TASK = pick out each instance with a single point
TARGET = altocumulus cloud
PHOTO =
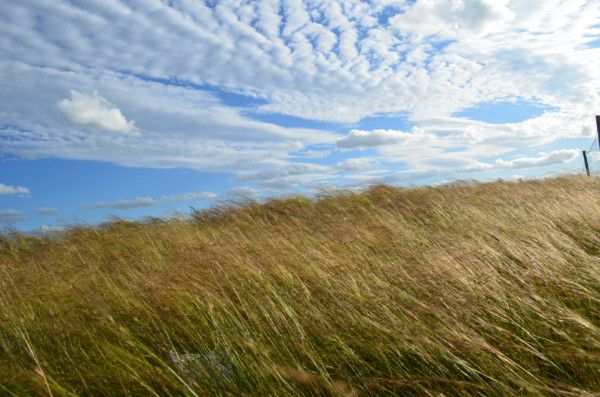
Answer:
(334, 61)
(95, 111)
(9, 189)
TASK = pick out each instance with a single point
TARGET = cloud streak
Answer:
(126, 204)
(13, 190)
(358, 139)
(545, 159)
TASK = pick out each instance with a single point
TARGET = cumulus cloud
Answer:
(10, 216)
(95, 111)
(10, 190)
(125, 204)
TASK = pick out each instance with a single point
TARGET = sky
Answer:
(114, 108)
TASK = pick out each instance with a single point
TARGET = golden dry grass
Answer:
(483, 289)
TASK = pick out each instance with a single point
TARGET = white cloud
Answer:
(317, 67)
(544, 159)
(124, 204)
(315, 154)
(177, 198)
(453, 18)
(288, 176)
(359, 139)
(182, 127)
(318, 60)
(243, 192)
(326, 190)
(355, 164)
(9, 190)
(95, 111)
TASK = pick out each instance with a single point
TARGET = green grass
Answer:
(483, 289)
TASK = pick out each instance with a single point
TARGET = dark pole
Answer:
(587, 167)
(598, 129)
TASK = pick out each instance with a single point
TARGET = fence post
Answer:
(585, 161)
(598, 129)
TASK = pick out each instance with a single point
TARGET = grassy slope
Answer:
(489, 289)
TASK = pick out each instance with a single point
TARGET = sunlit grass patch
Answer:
(472, 289)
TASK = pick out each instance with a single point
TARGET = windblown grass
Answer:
(484, 289)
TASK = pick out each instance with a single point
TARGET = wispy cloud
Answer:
(541, 160)
(178, 198)
(288, 176)
(315, 154)
(544, 159)
(358, 139)
(243, 192)
(355, 164)
(13, 190)
(124, 204)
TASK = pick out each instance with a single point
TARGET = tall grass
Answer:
(483, 289)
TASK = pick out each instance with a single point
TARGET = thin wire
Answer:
(592, 146)
(593, 143)
(593, 165)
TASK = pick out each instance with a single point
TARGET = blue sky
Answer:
(146, 107)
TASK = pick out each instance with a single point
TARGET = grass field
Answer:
(483, 289)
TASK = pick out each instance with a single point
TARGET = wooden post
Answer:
(598, 129)
(585, 161)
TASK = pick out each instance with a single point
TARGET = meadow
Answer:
(468, 289)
